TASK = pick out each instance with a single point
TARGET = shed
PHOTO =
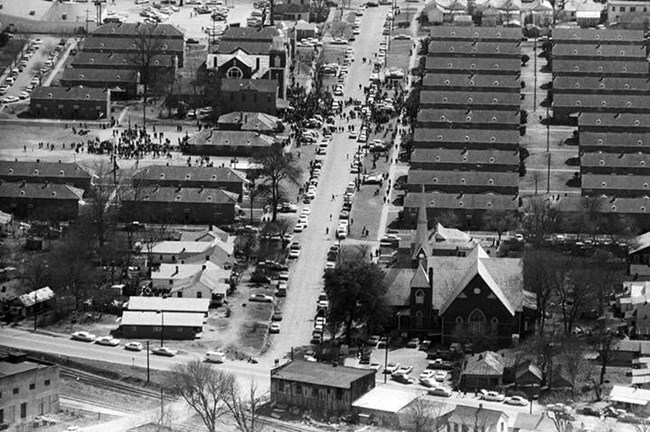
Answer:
(631, 399)
(153, 325)
(483, 371)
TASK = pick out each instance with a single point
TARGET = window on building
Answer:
(47, 383)
(32, 386)
(419, 319)
(476, 321)
(494, 326)
(232, 97)
(234, 73)
(622, 8)
(171, 281)
(314, 392)
(2, 416)
(459, 323)
(179, 294)
(199, 294)
(23, 410)
(281, 386)
(613, 8)
(15, 390)
(299, 388)
(632, 8)
(339, 394)
(419, 297)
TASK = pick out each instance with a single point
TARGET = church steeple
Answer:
(421, 241)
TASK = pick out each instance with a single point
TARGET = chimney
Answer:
(431, 277)
(203, 267)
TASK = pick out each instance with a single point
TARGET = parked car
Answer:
(375, 366)
(591, 411)
(134, 346)
(402, 378)
(215, 356)
(440, 375)
(372, 340)
(275, 328)
(261, 298)
(277, 316)
(440, 391)
(517, 400)
(164, 351)
(107, 340)
(427, 374)
(391, 367)
(413, 343)
(492, 396)
(404, 369)
(83, 336)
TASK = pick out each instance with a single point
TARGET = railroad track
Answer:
(280, 425)
(109, 384)
(99, 404)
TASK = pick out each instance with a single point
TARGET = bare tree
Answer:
(205, 390)
(148, 57)
(560, 417)
(536, 176)
(603, 339)
(499, 221)
(572, 358)
(245, 409)
(102, 193)
(540, 218)
(277, 167)
(426, 415)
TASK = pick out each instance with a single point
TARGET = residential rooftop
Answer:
(622, 68)
(462, 178)
(180, 174)
(446, 135)
(323, 374)
(475, 33)
(456, 201)
(480, 65)
(440, 98)
(498, 83)
(183, 195)
(458, 117)
(155, 319)
(631, 84)
(70, 93)
(597, 35)
(465, 48)
(470, 157)
(41, 169)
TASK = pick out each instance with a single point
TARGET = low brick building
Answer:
(123, 84)
(180, 205)
(249, 95)
(29, 389)
(43, 201)
(73, 103)
(321, 387)
(40, 172)
(213, 142)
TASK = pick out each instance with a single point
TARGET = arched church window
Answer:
(234, 73)
(419, 297)
(494, 326)
(476, 321)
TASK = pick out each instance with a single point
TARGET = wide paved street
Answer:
(306, 275)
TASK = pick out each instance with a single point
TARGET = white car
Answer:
(10, 99)
(329, 265)
(299, 227)
(391, 367)
(294, 253)
(215, 356)
(134, 346)
(83, 336)
(107, 340)
(164, 351)
(440, 391)
(427, 374)
(440, 376)
(23, 95)
(275, 328)
(516, 400)
(260, 298)
(492, 396)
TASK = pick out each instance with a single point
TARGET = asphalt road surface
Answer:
(305, 282)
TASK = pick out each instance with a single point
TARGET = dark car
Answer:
(591, 411)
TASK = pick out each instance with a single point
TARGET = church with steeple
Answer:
(445, 287)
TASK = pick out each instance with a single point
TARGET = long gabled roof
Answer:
(481, 65)
(602, 52)
(614, 102)
(454, 201)
(485, 363)
(469, 157)
(109, 43)
(70, 93)
(100, 75)
(468, 98)
(597, 35)
(463, 178)
(601, 83)
(616, 182)
(51, 191)
(455, 48)
(614, 119)
(476, 33)
(260, 85)
(599, 66)
(184, 173)
(459, 117)
(460, 136)
(470, 81)
(639, 139)
(623, 160)
(321, 374)
(85, 59)
(41, 169)
(185, 195)
(230, 138)
(133, 29)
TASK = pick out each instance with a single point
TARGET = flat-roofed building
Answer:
(465, 160)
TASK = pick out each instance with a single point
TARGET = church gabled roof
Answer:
(477, 267)
(421, 243)
(420, 278)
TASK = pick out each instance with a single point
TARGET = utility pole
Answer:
(34, 311)
(548, 175)
(385, 360)
(535, 74)
(147, 362)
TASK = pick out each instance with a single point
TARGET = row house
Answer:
(601, 85)
(469, 65)
(465, 160)
(466, 139)
(615, 164)
(468, 119)
(40, 201)
(618, 185)
(45, 172)
(442, 49)
(122, 83)
(611, 36)
(134, 45)
(70, 103)
(472, 100)
(601, 52)
(617, 143)
(598, 68)
(567, 107)
(468, 182)
(472, 83)
(614, 122)
(471, 34)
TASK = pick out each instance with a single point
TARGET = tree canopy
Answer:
(277, 168)
(357, 290)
